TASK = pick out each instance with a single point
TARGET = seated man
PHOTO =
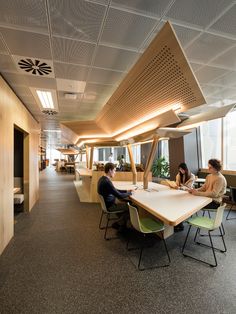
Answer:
(110, 193)
(215, 185)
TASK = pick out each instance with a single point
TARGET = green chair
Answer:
(109, 216)
(146, 226)
(208, 224)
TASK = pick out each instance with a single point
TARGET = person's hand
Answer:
(190, 191)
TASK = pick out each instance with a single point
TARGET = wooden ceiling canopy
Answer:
(68, 151)
(160, 81)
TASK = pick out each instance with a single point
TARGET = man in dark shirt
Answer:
(109, 192)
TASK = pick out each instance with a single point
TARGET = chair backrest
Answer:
(233, 194)
(219, 216)
(134, 218)
(102, 202)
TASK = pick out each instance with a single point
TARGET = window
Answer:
(213, 139)
(229, 141)
(164, 149)
(210, 141)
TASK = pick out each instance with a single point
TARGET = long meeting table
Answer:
(169, 205)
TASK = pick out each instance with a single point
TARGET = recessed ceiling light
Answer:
(45, 98)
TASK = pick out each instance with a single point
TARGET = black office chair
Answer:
(233, 201)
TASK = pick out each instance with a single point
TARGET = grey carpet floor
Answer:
(58, 262)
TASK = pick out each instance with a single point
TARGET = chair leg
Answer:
(186, 239)
(107, 226)
(213, 250)
(216, 249)
(196, 259)
(166, 249)
(100, 223)
(141, 254)
(227, 217)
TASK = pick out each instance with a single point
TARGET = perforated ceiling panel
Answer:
(126, 29)
(24, 13)
(226, 60)
(76, 19)
(70, 72)
(6, 63)
(208, 74)
(72, 51)
(200, 13)
(208, 46)
(227, 80)
(101, 76)
(152, 7)
(3, 48)
(160, 79)
(27, 43)
(116, 59)
(227, 23)
(185, 35)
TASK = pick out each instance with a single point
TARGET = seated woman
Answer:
(184, 179)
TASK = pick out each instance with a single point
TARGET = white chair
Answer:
(108, 215)
(146, 225)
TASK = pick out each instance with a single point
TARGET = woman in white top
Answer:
(184, 179)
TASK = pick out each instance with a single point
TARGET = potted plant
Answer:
(161, 168)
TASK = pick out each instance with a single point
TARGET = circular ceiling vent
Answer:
(35, 66)
(49, 112)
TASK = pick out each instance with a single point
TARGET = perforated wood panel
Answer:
(159, 80)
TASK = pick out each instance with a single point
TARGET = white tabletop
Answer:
(169, 205)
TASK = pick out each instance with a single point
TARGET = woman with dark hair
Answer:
(184, 179)
(215, 185)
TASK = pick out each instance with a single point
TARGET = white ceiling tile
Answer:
(227, 60)
(70, 86)
(27, 43)
(226, 93)
(72, 51)
(227, 80)
(30, 14)
(151, 7)
(200, 12)
(211, 90)
(70, 72)
(101, 76)
(41, 82)
(14, 78)
(126, 29)
(195, 66)
(3, 48)
(207, 46)
(7, 64)
(184, 34)
(227, 23)
(76, 19)
(114, 58)
(208, 74)
(21, 90)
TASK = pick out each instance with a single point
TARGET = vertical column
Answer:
(150, 161)
(133, 167)
(87, 156)
(91, 158)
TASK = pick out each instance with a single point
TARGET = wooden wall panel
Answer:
(12, 112)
